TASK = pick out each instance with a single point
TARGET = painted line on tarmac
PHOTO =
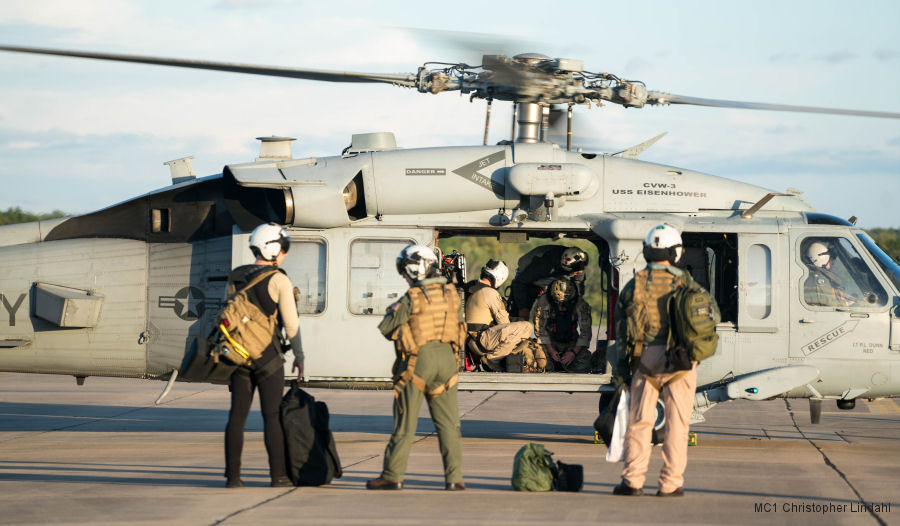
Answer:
(883, 406)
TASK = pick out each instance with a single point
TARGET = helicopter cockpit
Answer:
(837, 275)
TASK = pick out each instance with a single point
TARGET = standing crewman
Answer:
(427, 330)
(642, 324)
(274, 295)
(539, 268)
(562, 322)
(486, 318)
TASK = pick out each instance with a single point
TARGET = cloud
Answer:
(836, 57)
(886, 54)
(81, 17)
(784, 57)
(246, 4)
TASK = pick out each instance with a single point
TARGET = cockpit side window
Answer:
(837, 276)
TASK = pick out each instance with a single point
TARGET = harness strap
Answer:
(439, 390)
(653, 379)
(419, 384)
(261, 275)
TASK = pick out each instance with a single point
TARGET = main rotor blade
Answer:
(657, 97)
(401, 79)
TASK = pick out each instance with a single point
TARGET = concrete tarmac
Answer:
(104, 454)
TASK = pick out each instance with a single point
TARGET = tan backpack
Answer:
(244, 330)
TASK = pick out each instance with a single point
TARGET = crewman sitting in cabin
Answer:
(562, 322)
(823, 287)
(487, 320)
(538, 268)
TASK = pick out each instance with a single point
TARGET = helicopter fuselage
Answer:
(129, 290)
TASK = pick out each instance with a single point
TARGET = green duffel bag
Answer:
(533, 469)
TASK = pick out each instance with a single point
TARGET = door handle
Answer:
(806, 320)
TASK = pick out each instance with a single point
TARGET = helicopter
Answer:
(129, 290)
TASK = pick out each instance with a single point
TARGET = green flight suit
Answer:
(436, 364)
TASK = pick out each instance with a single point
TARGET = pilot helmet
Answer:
(268, 240)
(496, 271)
(663, 243)
(817, 254)
(417, 262)
(561, 291)
(573, 259)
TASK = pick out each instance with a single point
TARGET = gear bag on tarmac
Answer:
(535, 470)
(312, 458)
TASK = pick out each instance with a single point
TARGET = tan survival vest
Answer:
(434, 316)
(647, 317)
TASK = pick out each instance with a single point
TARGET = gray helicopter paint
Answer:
(23, 233)
(481, 184)
(187, 283)
(180, 295)
(112, 347)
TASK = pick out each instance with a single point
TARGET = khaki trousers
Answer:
(500, 340)
(678, 396)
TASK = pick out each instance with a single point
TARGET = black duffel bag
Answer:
(310, 452)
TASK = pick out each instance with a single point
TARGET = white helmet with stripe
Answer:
(417, 262)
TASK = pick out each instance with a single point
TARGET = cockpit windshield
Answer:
(888, 265)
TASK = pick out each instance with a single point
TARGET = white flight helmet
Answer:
(496, 271)
(268, 239)
(663, 243)
(573, 259)
(417, 262)
(817, 254)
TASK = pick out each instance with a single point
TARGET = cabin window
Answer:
(307, 268)
(759, 282)
(837, 276)
(374, 282)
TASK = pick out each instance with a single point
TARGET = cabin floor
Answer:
(103, 453)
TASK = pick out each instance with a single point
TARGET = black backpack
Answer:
(312, 458)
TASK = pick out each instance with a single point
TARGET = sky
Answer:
(78, 135)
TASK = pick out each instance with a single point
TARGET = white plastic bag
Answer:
(616, 450)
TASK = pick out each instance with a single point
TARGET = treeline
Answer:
(14, 214)
(479, 250)
(888, 239)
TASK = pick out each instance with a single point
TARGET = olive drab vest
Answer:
(648, 319)
(434, 316)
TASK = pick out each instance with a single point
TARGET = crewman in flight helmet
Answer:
(487, 320)
(427, 329)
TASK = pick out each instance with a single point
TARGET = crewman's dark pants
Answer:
(271, 389)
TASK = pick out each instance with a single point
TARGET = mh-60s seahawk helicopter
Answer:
(128, 290)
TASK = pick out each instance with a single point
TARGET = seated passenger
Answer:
(487, 320)
(562, 321)
(823, 287)
(540, 267)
